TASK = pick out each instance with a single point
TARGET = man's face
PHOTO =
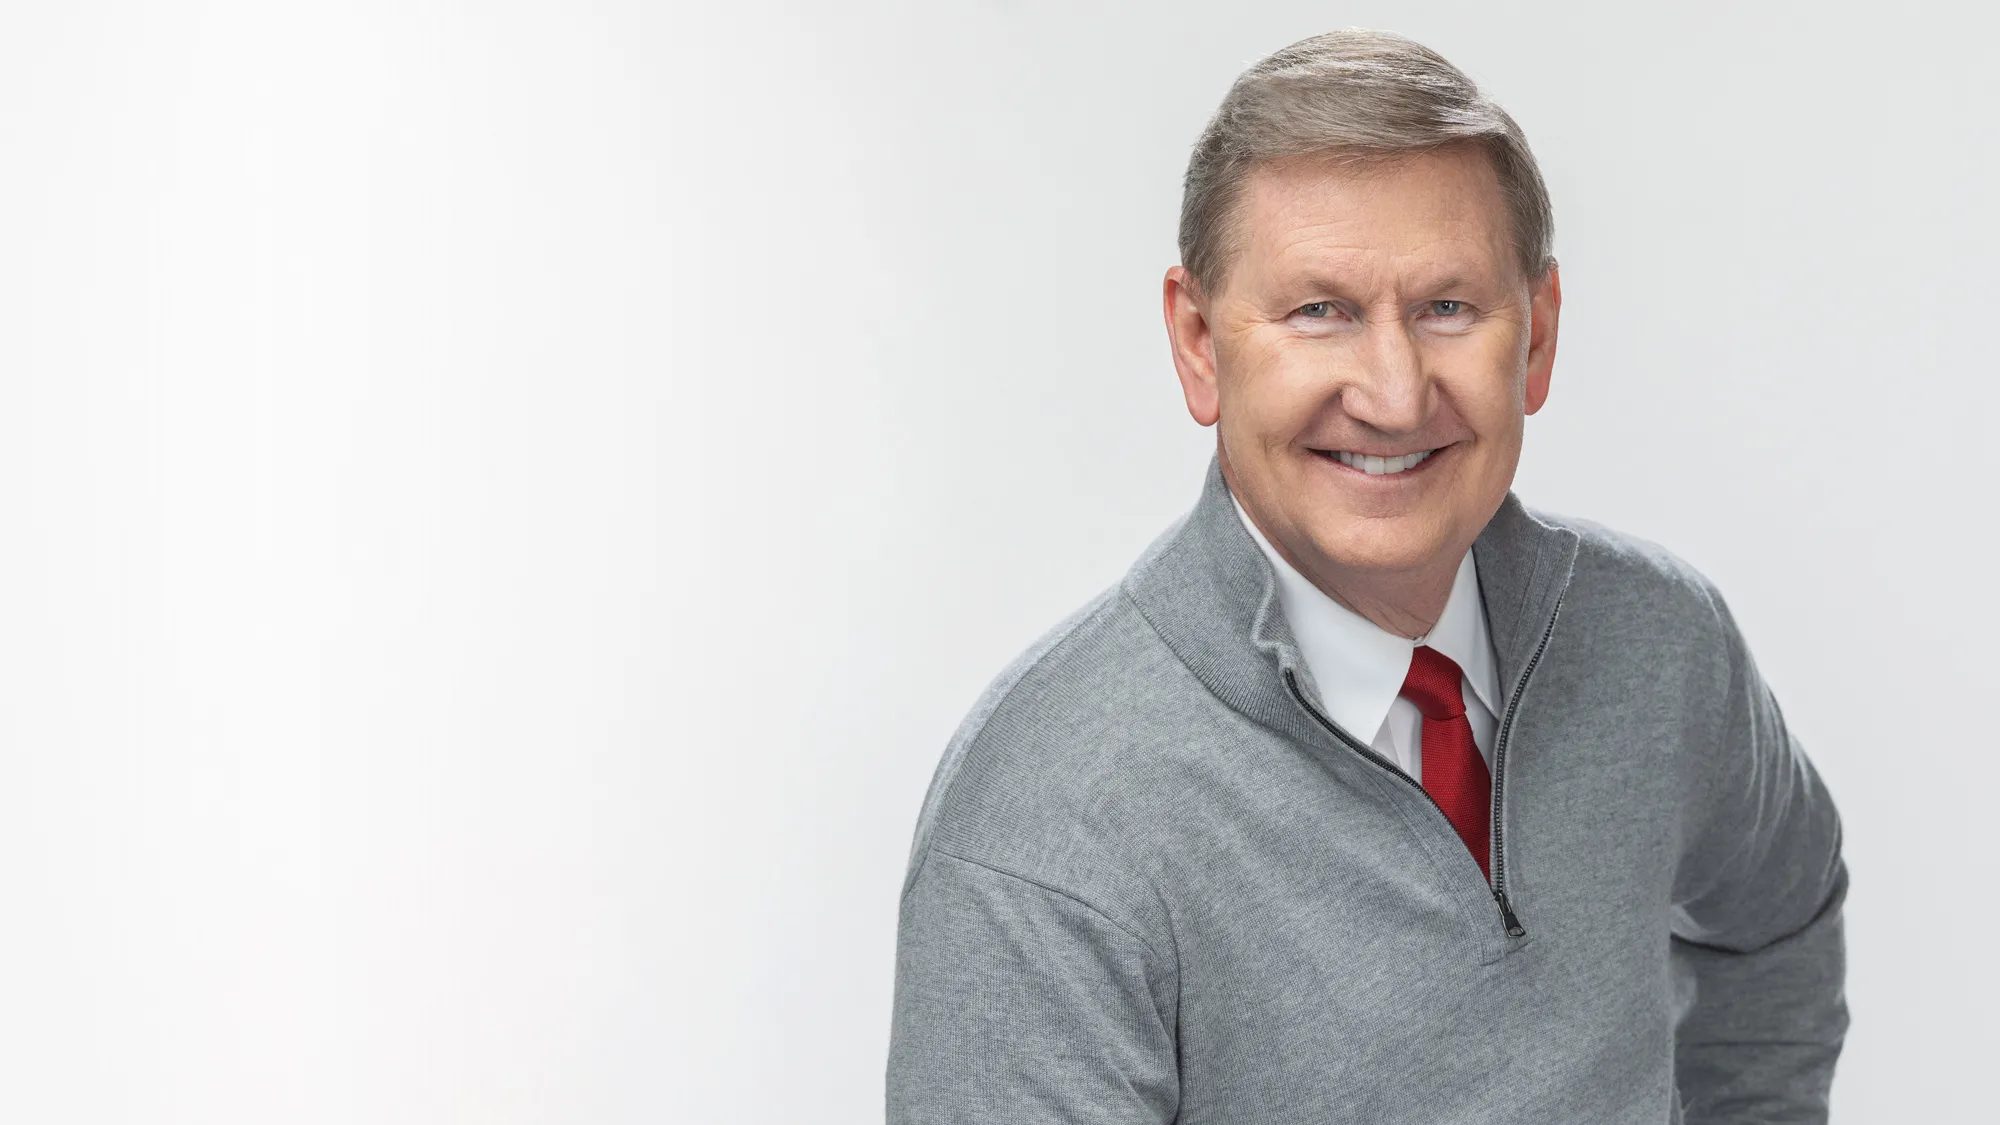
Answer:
(1371, 316)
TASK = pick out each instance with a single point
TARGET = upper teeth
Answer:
(1376, 466)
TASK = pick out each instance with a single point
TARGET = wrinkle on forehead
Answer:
(1419, 218)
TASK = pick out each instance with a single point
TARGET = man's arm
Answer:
(1758, 956)
(1017, 1003)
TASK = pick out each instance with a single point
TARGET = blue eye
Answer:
(1316, 309)
(1447, 308)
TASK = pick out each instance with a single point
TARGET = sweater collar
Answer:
(1211, 594)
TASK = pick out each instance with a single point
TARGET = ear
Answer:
(1545, 310)
(1193, 344)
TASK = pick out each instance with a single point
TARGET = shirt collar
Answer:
(1357, 665)
(1461, 633)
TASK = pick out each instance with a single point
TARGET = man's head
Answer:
(1366, 275)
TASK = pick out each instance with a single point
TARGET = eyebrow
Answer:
(1323, 283)
(1454, 281)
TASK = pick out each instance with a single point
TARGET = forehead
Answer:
(1442, 210)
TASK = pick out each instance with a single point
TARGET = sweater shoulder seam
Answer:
(996, 696)
(1061, 892)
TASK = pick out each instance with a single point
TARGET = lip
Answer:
(1326, 457)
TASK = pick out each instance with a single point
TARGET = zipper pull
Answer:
(1507, 918)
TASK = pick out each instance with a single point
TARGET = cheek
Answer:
(1488, 387)
(1268, 389)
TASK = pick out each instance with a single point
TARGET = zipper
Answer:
(1508, 918)
(1514, 927)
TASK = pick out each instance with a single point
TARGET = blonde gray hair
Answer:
(1352, 95)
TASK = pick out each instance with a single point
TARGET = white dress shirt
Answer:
(1359, 666)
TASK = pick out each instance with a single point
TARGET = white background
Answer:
(503, 504)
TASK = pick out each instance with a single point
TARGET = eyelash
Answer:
(1328, 304)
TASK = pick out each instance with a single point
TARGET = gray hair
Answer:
(1353, 95)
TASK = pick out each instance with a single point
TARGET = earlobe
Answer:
(1192, 344)
(1546, 314)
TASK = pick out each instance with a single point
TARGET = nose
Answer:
(1389, 389)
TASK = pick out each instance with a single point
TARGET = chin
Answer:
(1398, 544)
(1380, 557)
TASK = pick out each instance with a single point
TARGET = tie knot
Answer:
(1433, 684)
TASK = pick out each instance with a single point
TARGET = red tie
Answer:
(1454, 774)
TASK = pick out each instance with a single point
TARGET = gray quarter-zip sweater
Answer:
(1151, 882)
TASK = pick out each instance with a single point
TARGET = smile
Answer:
(1381, 466)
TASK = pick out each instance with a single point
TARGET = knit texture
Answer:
(1148, 884)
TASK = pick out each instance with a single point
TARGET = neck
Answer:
(1406, 604)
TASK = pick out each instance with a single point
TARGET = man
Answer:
(1370, 794)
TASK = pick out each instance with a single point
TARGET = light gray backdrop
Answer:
(503, 504)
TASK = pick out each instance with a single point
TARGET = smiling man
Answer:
(1371, 794)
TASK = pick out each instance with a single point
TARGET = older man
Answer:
(1370, 794)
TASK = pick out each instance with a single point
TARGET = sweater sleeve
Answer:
(1018, 1003)
(1758, 956)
